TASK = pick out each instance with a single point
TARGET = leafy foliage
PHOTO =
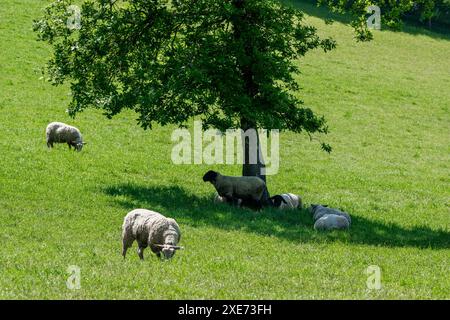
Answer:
(228, 61)
(429, 10)
(393, 12)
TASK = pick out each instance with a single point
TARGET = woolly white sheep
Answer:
(150, 228)
(58, 132)
(251, 190)
(286, 201)
(328, 218)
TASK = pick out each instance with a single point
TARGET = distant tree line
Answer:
(430, 12)
(394, 12)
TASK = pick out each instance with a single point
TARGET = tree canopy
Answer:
(171, 60)
(393, 12)
(230, 62)
(431, 10)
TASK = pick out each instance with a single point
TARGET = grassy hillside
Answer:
(387, 103)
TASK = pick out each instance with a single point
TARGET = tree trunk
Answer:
(251, 169)
(251, 89)
(254, 169)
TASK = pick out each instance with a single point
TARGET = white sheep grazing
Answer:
(58, 132)
(150, 228)
(328, 218)
(286, 201)
(331, 221)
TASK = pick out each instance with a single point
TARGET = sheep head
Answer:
(168, 250)
(314, 207)
(78, 145)
(277, 200)
(210, 176)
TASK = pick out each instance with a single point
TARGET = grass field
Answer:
(387, 104)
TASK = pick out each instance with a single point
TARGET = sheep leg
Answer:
(70, 146)
(156, 250)
(126, 243)
(125, 246)
(232, 200)
(265, 199)
(252, 204)
(141, 253)
(49, 145)
(229, 199)
(236, 202)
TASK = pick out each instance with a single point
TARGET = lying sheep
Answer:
(58, 132)
(319, 211)
(331, 221)
(152, 229)
(328, 218)
(220, 199)
(286, 201)
(251, 190)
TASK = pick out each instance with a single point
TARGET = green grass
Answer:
(387, 103)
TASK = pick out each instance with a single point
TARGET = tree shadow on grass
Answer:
(296, 225)
(310, 8)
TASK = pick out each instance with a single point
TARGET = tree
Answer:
(393, 12)
(230, 62)
(429, 10)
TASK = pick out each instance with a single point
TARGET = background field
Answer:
(387, 104)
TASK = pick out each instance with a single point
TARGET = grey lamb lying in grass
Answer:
(328, 218)
(58, 132)
(150, 228)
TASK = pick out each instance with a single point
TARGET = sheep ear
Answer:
(84, 142)
(178, 248)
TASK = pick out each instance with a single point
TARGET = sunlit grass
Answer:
(387, 104)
